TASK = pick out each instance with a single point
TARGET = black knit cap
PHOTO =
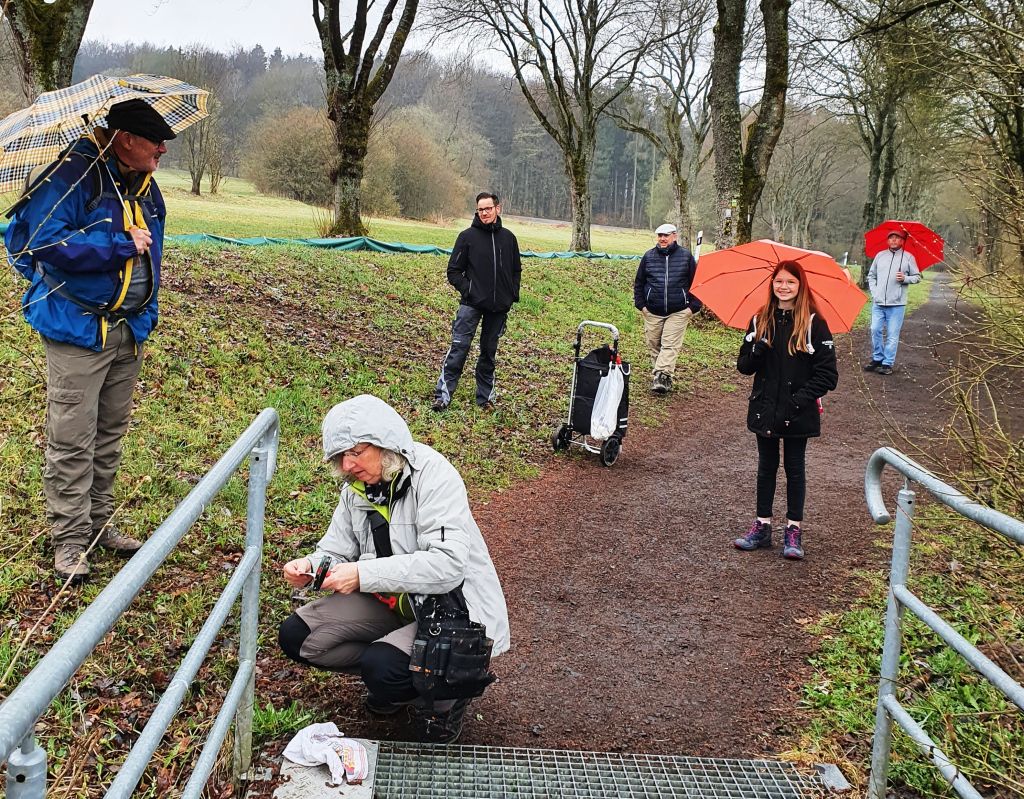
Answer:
(140, 118)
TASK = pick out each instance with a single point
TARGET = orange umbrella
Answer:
(734, 283)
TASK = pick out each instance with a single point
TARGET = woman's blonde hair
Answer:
(391, 464)
(802, 309)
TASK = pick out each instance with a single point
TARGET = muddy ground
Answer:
(636, 625)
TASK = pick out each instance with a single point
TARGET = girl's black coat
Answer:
(782, 403)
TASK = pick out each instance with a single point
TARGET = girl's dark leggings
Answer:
(793, 459)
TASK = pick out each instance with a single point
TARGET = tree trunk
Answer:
(765, 131)
(577, 168)
(351, 134)
(46, 36)
(888, 175)
(724, 98)
(681, 201)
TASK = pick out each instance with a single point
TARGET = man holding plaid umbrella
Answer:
(88, 233)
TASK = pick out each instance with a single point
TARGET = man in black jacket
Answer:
(661, 292)
(485, 269)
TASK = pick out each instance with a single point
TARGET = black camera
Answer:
(321, 572)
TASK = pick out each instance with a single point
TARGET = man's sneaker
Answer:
(884, 370)
(667, 380)
(379, 707)
(872, 366)
(434, 727)
(119, 543)
(758, 536)
(440, 406)
(69, 562)
(659, 386)
(792, 543)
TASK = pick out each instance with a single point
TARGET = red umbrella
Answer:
(922, 242)
(734, 283)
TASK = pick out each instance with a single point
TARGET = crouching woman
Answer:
(402, 529)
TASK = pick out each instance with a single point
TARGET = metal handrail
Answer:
(889, 708)
(26, 762)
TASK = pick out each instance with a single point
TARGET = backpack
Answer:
(18, 235)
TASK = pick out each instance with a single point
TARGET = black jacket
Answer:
(786, 387)
(662, 283)
(485, 268)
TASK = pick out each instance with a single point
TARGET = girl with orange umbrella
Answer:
(789, 351)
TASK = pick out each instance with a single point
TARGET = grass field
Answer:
(239, 211)
(298, 329)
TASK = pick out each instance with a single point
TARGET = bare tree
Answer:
(355, 82)
(572, 60)
(986, 41)
(875, 79)
(202, 142)
(672, 75)
(741, 167)
(46, 38)
(809, 163)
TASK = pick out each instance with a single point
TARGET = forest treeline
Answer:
(806, 122)
(449, 127)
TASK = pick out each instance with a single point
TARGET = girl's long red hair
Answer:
(802, 310)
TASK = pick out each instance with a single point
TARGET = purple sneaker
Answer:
(792, 543)
(758, 536)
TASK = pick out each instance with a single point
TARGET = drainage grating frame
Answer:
(419, 771)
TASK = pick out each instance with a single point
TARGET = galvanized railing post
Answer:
(26, 771)
(890, 669)
(260, 469)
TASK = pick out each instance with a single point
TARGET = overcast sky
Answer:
(219, 24)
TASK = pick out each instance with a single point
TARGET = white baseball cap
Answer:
(666, 228)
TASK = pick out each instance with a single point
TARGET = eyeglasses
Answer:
(355, 452)
(486, 210)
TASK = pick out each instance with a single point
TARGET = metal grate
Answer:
(412, 771)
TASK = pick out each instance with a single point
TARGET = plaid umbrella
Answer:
(36, 135)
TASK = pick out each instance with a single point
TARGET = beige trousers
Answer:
(89, 404)
(664, 336)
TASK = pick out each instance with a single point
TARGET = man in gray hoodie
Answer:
(891, 272)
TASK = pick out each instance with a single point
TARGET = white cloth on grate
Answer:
(323, 743)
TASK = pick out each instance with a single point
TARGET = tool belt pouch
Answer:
(451, 653)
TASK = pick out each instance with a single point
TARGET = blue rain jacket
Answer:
(84, 245)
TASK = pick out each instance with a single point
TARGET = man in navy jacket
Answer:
(661, 292)
(485, 269)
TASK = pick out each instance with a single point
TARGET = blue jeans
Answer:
(889, 317)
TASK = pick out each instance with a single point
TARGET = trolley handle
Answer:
(604, 325)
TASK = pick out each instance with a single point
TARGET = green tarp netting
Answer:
(363, 243)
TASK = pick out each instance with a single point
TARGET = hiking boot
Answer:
(378, 707)
(667, 380)
(439, 406)
(758, 536)
(487, 407)
(884, 370)
(872, 366)
(119, 543)
(792, 543)
(69, 561)
(439, 727)
(659, 386)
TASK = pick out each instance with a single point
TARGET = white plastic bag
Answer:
(323, 743)
(605, 418)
